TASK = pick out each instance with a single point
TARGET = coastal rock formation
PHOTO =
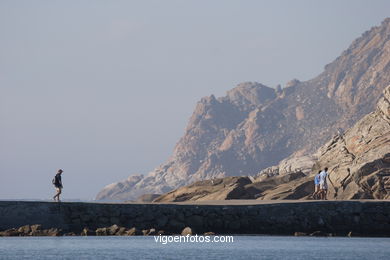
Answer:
(114, 230)
(359, 159)
(242, 188)
(31, 230)
(214, 189)
(254, 126)
(291, 164)
(358, 162)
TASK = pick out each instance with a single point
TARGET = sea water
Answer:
(242, 247)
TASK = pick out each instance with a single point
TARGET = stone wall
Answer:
(364, 218)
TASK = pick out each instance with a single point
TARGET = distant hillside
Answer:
(255, 126)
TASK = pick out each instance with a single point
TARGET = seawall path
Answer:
(362, 218)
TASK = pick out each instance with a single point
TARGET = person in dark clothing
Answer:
(58, 185)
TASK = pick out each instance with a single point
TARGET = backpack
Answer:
(54, 181)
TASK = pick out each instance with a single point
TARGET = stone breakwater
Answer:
(339, 218)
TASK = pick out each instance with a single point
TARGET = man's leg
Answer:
(54, 197)
(315, 194)
(58, 194)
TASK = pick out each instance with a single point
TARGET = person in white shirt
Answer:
(324, 184)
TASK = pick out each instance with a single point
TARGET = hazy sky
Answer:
(104, 89)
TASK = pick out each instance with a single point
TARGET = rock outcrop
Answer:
(214, 189)
(254, 126)
(289, 165)
(359, 159)
(358, 162)
(230, 188)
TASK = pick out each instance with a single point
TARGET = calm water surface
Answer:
(243, 247)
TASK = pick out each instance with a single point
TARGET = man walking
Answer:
(58, 185)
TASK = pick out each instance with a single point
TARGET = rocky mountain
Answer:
(358, 162)
(254, 126)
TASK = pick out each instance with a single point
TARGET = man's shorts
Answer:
(323, 186)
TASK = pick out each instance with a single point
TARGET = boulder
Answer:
(134, 232)
(149, 232)
(121, 231)
(25, 230)
(13, 232)
(152, 232)
(112, 230)
(35, 227)
(186, 231)
(87, 232)
(36, 230)
(102, 232)
(53, 232)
